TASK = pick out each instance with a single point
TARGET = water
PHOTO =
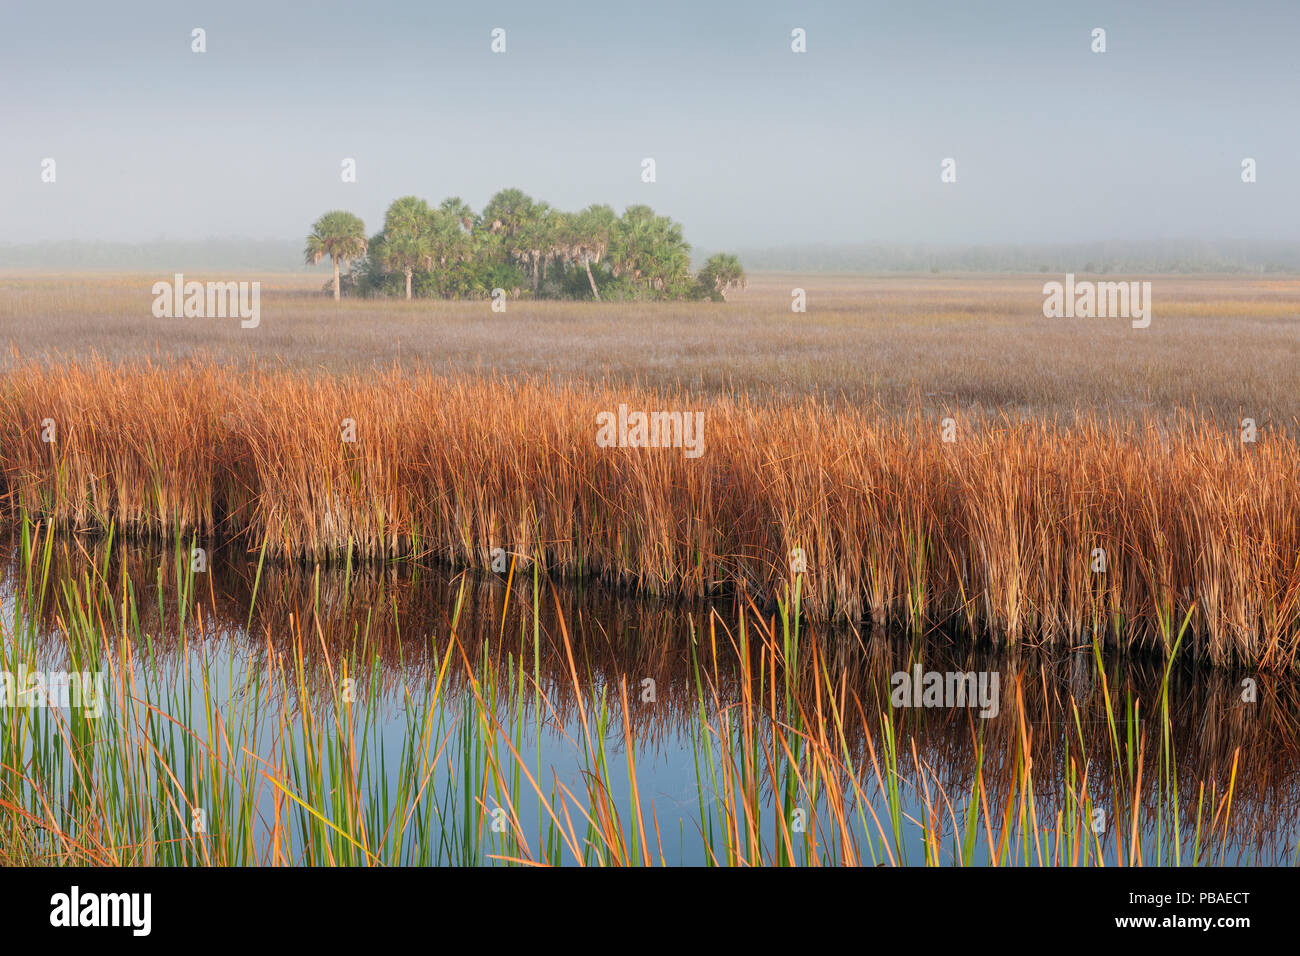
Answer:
(398, 621)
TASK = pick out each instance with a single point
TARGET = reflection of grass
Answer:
(996, 531)
(806, 758)
(280, 782)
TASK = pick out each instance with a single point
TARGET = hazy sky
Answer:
(754, 145)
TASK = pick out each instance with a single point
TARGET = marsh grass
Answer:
(994, 533)
(1225, 345)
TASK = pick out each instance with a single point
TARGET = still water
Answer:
(399, 622)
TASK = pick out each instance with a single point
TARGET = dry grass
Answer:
(994, 532)
(1228, 346)
(822, 433)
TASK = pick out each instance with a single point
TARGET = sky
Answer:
(754, 145)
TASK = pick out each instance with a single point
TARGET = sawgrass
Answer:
(997, 532)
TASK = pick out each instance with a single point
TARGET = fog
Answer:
(754, 145)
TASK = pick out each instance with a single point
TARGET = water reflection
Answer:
(403, 618)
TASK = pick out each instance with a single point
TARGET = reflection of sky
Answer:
(755, 145)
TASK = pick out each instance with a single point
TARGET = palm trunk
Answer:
(408, 285)
(336, 278)
(586, 261)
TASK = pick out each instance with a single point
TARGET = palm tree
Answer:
(631, 240)
(511, 218)
(507, 211)
(339, 235)
(556, 237)
(461, 210)
(673, 262)
(536, 240)
(591, 232)
(408, 228)
(448, 242)
(721, 274)
(649, 248)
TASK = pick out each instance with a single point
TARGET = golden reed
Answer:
(998, 531)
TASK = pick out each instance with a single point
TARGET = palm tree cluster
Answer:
(521, 245)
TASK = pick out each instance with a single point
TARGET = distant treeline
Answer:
(1120, 256)
(516, 246)
(1111, 256)
(160, 255)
